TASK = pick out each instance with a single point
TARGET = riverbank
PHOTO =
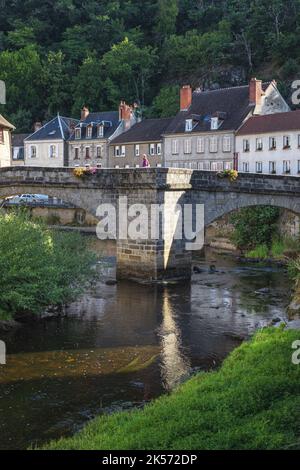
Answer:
(252, 402)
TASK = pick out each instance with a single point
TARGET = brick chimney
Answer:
(125, 114)
(37, 126)
(84, 113)
(186, 95)
(255, 91)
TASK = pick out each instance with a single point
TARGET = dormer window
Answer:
(214, 123)
(89, 131)
(101, 131)
(188, 125)
(78, 133)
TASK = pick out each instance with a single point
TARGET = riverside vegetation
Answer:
(39, 267)
(252, 402)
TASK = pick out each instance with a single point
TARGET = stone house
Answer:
(270, 144)
(89, 143)
(5, 142)
(127, 150)
(202, 135)
(47, 146)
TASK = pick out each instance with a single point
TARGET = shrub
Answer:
(39, 267)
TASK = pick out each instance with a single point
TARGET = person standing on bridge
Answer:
(146, 163)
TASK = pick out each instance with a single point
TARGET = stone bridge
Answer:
(163, 257)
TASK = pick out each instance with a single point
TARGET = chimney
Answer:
(255, 91)
(125, 114)
(37, 126)
(84, 113)
(186, 94)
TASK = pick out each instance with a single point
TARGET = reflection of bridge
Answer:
(164, 258)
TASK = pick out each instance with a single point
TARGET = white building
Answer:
(270, 144)
(5, 142)
(202, 135)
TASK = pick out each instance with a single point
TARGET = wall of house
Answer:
(195, 160)
(43, 158)
(130, 159)
(81, 146)
(5, 149)
(266, 155)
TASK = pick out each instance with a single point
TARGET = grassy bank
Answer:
(252, 402)
(39, 267)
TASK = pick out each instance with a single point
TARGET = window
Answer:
(87, 153)
(213, 144)
(187, 146)
(259, 167)
(100, 131)
(158, 149)
(89, 131)
(188, 125)
(214, 123)
(272, 168)
(33, 151)
(298, 166)
(52, 151)
(117, 151)
(259, 144)
(152, 149)
(204, 166)
(299, 140)
(216, 166)
(78, 133)
(286, 166)
(226, 143)
(246, 167)
(174, 147)
(99, 151)
(76, 153)
(137, 150)
(200, 145)
(123, 150)
(228, 165)
(273, 143)
(18, 153)
(246, 145)
(1, 135)
(286, 142)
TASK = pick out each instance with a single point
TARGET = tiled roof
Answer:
(4, 123)
(278, 122)
(232, 102)
(58, 128)
(18, 139)
(109, 118)
(145, 131)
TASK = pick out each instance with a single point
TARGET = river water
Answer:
(123, 345)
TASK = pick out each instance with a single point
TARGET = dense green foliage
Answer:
(38, 267)
(58, 55)
(252, 402)
(255, 226)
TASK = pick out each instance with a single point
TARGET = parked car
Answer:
(26, 199)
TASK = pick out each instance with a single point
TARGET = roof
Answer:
(4, 123)
(144, 131)
(110, 119)
(232, 103)
(58, 128)
(18, 139)
(271, 123)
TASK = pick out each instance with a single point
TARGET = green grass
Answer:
(252, 402)
(260, 251)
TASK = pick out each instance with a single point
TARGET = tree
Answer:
(166, 103)
(167, 12)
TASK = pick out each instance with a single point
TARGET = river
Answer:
(123, 345)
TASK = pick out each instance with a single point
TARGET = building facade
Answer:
(270, 144)
(89, 143)
(47, 146)
(202, 135)
(5, 142)
(144, 138)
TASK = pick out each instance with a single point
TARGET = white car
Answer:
(26, 198)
